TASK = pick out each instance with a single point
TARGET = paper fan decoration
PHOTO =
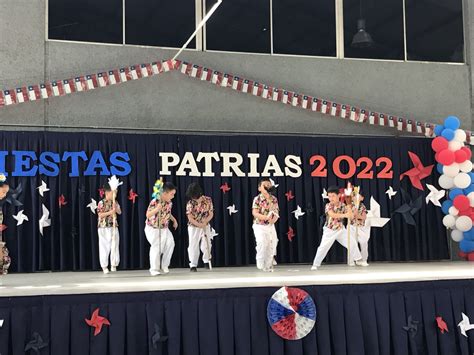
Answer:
(291, 313)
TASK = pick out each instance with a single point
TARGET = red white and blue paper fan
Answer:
(291, 313)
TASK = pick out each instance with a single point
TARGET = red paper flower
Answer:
(418, 172)
(132, 195)
(62, 201)
(97, 322)
(225, 187)
(289, 195)
(101, 192)
(290, 234)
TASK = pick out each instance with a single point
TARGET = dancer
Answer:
(107, 211)
(4, 258)
(359, 230)
(156, 230)
(265, 212)
(334, 230)
(200, 212)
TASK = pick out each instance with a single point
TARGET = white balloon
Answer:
(464, 223)
(466, 167)
(460, 135)
(446, 182)
(462, 180)
(453, 211)
(449, 221)
(451, 170)
(456, 235)
(454, 145)
(470, 196)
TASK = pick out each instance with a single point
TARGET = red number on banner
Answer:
(320, 170)
(366, 172)
(336, 167)
(387, 172)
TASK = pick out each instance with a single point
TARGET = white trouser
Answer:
(199, 236)
(362, 235)
(105, 247)
(328, 239)
(266, 238)
(153, 235)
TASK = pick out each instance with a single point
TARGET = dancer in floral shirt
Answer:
(4, 258)
(358, 228)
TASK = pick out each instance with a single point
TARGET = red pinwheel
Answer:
(289, 195)
(225, 187)
(101, 192)
(418, 172)
(290, 234)
(97, 322)
(62, 201)
(132, 195)
(443, 327)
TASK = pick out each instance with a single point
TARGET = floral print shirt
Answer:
(334, 223)
(162, 218)
(264, 207)
(103, 207)
(199, 210)
(362, 212)
(4, 258)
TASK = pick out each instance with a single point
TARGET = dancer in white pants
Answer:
(359, 230)
(265, 212)
(107, 229)
(334, 230)
(200, 212)
(157, 233)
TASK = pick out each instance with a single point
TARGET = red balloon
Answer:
(461, 202)
(467, 151)
(439, 143)
(460, 156)
(445, 157)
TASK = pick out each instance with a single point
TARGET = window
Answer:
(373, 29)
(239, 26)
(304, 27)
(434, 30)
(85, 20)
(159, 22)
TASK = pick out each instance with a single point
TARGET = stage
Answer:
(62, 283)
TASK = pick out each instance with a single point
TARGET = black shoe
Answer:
(206, 266)
(193, 269)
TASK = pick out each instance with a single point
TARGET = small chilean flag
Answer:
(112, 78)
(68, 86)
(343, 113)
(295, 100)
(186, 68)
(382, 120)
(363, 116)
(409, 126)
(354, 114)
(245, 86)
(324, 107)
(167, 65)
(304, 102)
(80, 83)
(333, 109)
(257, 89)
(225, 80)
(91, 83)
(156, 67)
(34, 93)
(372, 118)
(55, 88)
(419, 127)
(275, 94)
(391, 121)
(266, 88)
(45, 90)
(236, 83)
(401, 124)
(194, 71)
(206, 74)
(123, 75)
(101, 80)
(314, 104)
(284, 99)
(215, 77)
(21, 96)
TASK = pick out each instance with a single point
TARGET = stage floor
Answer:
(58, 283)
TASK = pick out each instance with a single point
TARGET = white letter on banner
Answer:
(208, 162)
(253, 157)
(293, 162)
(167, 160)
(272, 164)
(227, 165)
(188, 162)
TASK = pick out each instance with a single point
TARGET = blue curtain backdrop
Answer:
(351, 319)
(71, 241)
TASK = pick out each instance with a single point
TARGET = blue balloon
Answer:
(471, 174)
(469, 235)
(466, 245)
(446, 205)
(438, 129)
(469, 189)
(448, 133)
(455, 192)
(452, 122)
(439, 167)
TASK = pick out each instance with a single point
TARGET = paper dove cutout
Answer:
(435, 195)
(273, 183)
(232, 210)
(465, 325)
(20, 217)
(298, 212)
(442, 326)
(324, 195)
(44, 220)
(418, 172)
(373, 215)
(157, 337)
(42, 188)
(390, 192)
(114, 183)
(92, 205)
(36, 344)
(409, 208)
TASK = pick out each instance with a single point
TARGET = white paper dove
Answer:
(324, 195)
(20, 218)
(92, 205)
(298, 212)
(390, 192)
(373, 215)
(44, 220)
(232, 210)
(114, 183)
(465, 325)
(42, 188)
(273, 183)
(435, 195)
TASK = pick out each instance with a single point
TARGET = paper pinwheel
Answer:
(97, 322)
(435, 195)
(418, 172)
(409, 208)
(373, 215)
(298, 212)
